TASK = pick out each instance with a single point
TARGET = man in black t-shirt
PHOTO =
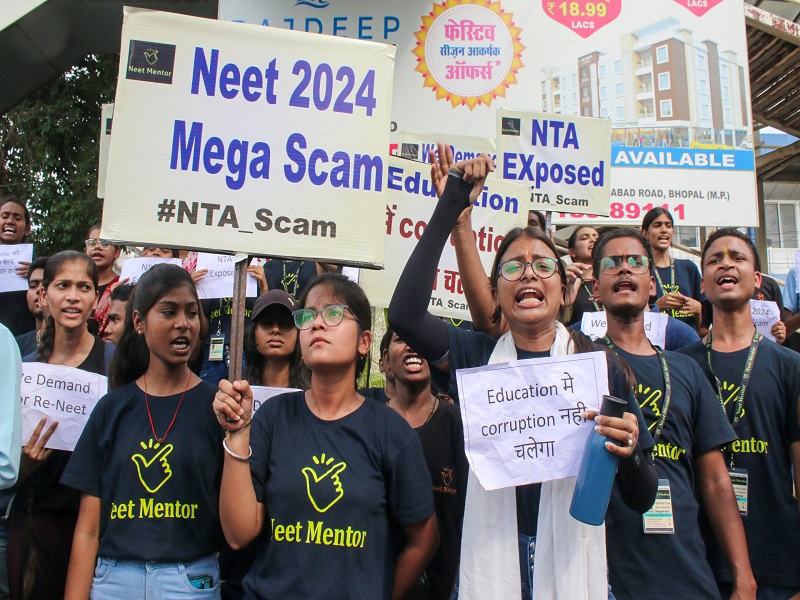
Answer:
(645, 552)
(758, 382)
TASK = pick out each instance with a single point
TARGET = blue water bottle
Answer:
(596, 475)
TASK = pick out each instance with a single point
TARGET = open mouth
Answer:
(11, 229)
(71, 311)
(413, 363)
(727, 282)
(626, 285)
(529, 296)
(180, 344)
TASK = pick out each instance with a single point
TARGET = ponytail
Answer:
(44, 348)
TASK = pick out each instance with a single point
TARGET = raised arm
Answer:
(408, 311)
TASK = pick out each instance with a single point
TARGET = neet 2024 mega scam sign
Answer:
(410, 203)
(248, 139)
(671, 76)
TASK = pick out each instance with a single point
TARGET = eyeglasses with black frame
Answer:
(636, 263)
(332, 315)
(92, 242)
(543, 267)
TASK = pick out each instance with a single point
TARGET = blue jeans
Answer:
(138, 580)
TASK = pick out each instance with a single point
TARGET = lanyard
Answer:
(589, 294)
(667, 391)
(671, 277)
(748, 368)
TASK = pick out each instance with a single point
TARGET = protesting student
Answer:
(678, 290)
(498, 541)
(28, 341)
(15, 225)
(580, 245)
(438, 425)
(688, 429)
(114, 323)
(329, 483)
(44, 511)
(271, 350)
(104, 254)
(765, 460)
(148, 462)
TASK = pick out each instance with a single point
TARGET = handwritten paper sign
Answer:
(134, 268)
(218, 282)
(765, 314)
(64, 394)
(9, 261)
(522, 420)
(594, 325)
(262, 393)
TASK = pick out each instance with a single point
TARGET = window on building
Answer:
(705, 111)
(601, 70)
(726, 92)
(703, 85)
(702, 62)
(662, 55)
(688, 236)
(587, 111)
(665, 107)
(781, 221)
(617, 67)
(603, 113)
(603, 92)
(728, 115)
(618, 90)
(584, 94)
(664, 82)
(620, 113)
(574, 78)
(574, 98)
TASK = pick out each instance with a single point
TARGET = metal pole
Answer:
(237, 319)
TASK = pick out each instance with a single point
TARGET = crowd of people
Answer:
(188, 483)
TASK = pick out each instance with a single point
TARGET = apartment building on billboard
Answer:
(660, 87)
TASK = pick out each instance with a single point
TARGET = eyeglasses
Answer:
(94, 242)
(512, 270)
(636, 263)
(332, 315)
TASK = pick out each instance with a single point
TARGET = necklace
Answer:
(150, 415)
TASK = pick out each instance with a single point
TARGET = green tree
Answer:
(49, 152)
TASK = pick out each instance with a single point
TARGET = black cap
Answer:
(273, 297)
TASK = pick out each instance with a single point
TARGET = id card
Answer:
(739, 481)
(659, 519)
(216, 348)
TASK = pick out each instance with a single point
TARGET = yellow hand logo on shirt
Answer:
(324, 490)
(155, 472)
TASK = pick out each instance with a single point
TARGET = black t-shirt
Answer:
(766, 432)
(219, 312)
(687, 282)
(14, 312)
(291, 276)
(583, 303)
(375, 394)
(159, 500)
(27, 342)
(769, 291)
(442, 439)
(473, 349)
(336, 494)
(42, 492)
(695, 424)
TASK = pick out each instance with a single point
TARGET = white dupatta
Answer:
(570, 556)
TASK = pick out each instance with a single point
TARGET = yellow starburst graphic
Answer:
(468, 52)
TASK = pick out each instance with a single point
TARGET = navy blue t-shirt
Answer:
(473, 349)
(766, 431)
(695, 424)
(291, 276)
(336, 495)
(219, 313)
(687, 282)
(159, 500)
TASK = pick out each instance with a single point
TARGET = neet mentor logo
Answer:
(149, 61)
(510, 126)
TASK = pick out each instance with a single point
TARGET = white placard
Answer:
(218, 282)
(765, 314)
(416, 146)
(594, 324)
(9, 261)
(410, 204)
(134, 268)
(64, 394)
(567, 160)
(263, 139)
(522, 420)
(262, 393)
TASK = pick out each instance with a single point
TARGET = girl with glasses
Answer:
(335, 488)
(528, 285)
(148, 461)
